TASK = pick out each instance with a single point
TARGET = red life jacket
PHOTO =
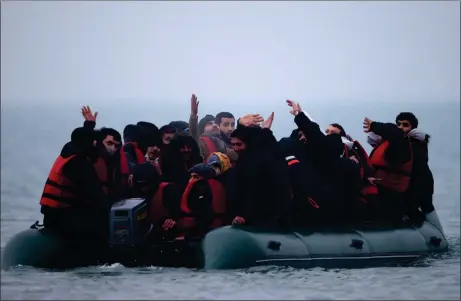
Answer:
(368, 189)
(218, 204)
(157, 211)
(59, 191)
(396, 178)
(124, 166)
(105, 180)
(210, 145)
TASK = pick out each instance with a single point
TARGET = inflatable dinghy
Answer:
(229, 247)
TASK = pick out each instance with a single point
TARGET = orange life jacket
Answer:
(210, 145)
(218, 204)
(157, 211)
(125, 169)
(59, 191)
(105, 180)
(359, 152)
(396, 178)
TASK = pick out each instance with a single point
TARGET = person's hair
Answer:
(342, 132)
(408, 116)
(222, 115)
(110, 132)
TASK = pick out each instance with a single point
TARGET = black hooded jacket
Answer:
(175, 167)
(335, 182)
(262, 189)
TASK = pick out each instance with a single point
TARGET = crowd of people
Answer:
(219, 170)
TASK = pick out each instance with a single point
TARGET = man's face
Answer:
(166, 137)
(211, 126)
(227, 126)
(238, 145)
(111, 144)
(332, 130)
(404, 125)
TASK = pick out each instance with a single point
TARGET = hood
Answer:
(172, 159)
(419, 135)
(180, 125)
(220, 160)
(349, 144)
(81, 143)
(204, 170)
(294, 134)
(153, 136)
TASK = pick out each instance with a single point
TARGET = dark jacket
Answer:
(421, 187)
(112, 163)
(174, 166)
(398, 151)
(334, 181)
(262, 188)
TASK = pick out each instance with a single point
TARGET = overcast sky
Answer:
(110, 51)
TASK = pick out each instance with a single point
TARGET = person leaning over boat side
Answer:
(73, 201)
(207, 133)
(203, 203)
(163, 199)
(400, 160)
(262, 189)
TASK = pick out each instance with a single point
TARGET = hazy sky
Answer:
(102, 52)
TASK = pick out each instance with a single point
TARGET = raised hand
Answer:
(88, 115)
(366, 125)
(268, 122)
(295, 107)
(251, 119)
(194, 105)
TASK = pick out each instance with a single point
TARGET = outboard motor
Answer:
(129, 223)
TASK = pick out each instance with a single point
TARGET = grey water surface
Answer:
(32, 137)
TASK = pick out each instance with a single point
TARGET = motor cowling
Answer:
(129, 223)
